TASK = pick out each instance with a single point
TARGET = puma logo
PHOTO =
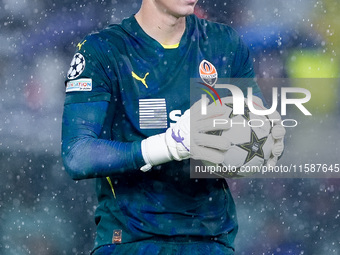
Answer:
(79, 45)
(140, 79)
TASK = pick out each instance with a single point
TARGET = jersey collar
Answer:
(131, 26)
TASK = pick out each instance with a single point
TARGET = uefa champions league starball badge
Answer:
(77, 66)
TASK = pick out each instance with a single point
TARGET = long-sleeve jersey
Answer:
(122, 87)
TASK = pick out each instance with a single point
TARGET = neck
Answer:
(160, 25)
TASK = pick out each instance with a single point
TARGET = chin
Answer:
(182, 9)
(188, 11)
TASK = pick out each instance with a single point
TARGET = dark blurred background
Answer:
(42, 211)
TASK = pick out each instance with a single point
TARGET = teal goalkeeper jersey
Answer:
(147, 86)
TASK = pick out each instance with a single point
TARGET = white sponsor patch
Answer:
(152, 113)
(79, 85)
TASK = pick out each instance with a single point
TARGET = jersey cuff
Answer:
(137, 155)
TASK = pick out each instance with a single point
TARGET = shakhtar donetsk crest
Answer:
(208, 73)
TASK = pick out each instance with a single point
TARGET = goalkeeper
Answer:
(123, 88)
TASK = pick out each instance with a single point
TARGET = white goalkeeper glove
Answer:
(183, 141)
(278, 132)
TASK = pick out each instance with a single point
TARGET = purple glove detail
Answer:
(179, 139)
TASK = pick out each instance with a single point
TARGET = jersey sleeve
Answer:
(85, 155)
(243, 71)
(242, 66)
(90, 85)
(89, 78)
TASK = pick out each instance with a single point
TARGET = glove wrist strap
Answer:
(155, 151)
